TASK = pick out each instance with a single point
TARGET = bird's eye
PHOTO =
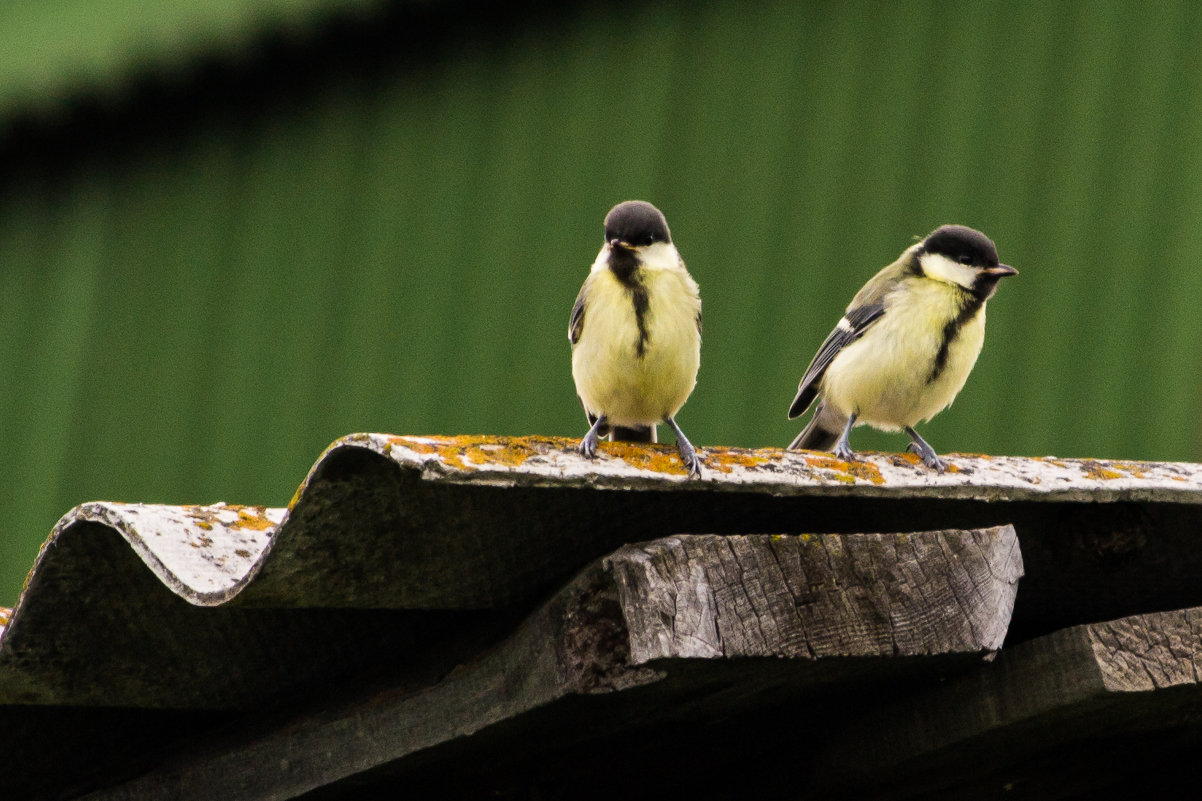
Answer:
(965, 260)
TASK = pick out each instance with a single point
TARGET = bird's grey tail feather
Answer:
(636, 434)
(822, 432)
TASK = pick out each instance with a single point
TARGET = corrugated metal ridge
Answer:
(552, 461)
(208, 554)
(411, 525)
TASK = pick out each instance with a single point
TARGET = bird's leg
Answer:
(688, 454)
(924, 451)
(588, 445)
(843, 446)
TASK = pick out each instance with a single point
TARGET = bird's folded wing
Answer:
(850, 328)
(576, 323)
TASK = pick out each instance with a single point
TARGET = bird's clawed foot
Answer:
(843, 446)
(588, 445)
(925, 452)
(688, 454)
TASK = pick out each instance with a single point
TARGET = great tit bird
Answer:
(636, 333)
(905, 345)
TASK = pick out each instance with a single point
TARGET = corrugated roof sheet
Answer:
(402, 557)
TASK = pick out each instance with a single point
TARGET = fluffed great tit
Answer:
(905, 346)
(636, 333)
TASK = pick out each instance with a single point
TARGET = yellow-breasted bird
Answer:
(905, 346)
(636, 333)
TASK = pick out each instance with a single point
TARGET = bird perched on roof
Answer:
(905, 346)
(636, 333)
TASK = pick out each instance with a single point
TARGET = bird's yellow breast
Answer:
(886, 376)
(612, 377)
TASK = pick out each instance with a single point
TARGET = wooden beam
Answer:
(683, 629)
(1096, 702)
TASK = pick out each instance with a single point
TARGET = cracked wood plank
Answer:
(1087, 707)
(684, 630)
(818, 596)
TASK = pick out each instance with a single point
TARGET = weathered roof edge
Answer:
(208, 570)
(554, 461)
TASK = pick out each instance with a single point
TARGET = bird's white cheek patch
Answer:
(941, 268)
(660, 256)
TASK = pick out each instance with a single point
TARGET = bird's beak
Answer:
(1001, 271)
(618, 243)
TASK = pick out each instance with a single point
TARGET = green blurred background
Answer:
(231, 232)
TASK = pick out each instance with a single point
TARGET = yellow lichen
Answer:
(468, 452)
(203, 516)
(658, 458)
(846, 472)
(1099, 472)
(912, 458)
(473, 452)
(726, 459)
(254, 517)
(296, 496)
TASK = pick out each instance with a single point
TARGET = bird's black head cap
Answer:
(637, 223)
(962, 244)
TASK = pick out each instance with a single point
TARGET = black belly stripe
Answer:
(638, 294)
(625, 266)
(970, 304)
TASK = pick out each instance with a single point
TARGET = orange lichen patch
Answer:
(865, 472)
(846, 472)
(414, 444)
(296, 496)
(470, 452)
(726, 459)
(1099, 471)
(909, 458)
(203, 516)
(657, 458)
(473, 452)
(252, 517)
(1133, 470)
